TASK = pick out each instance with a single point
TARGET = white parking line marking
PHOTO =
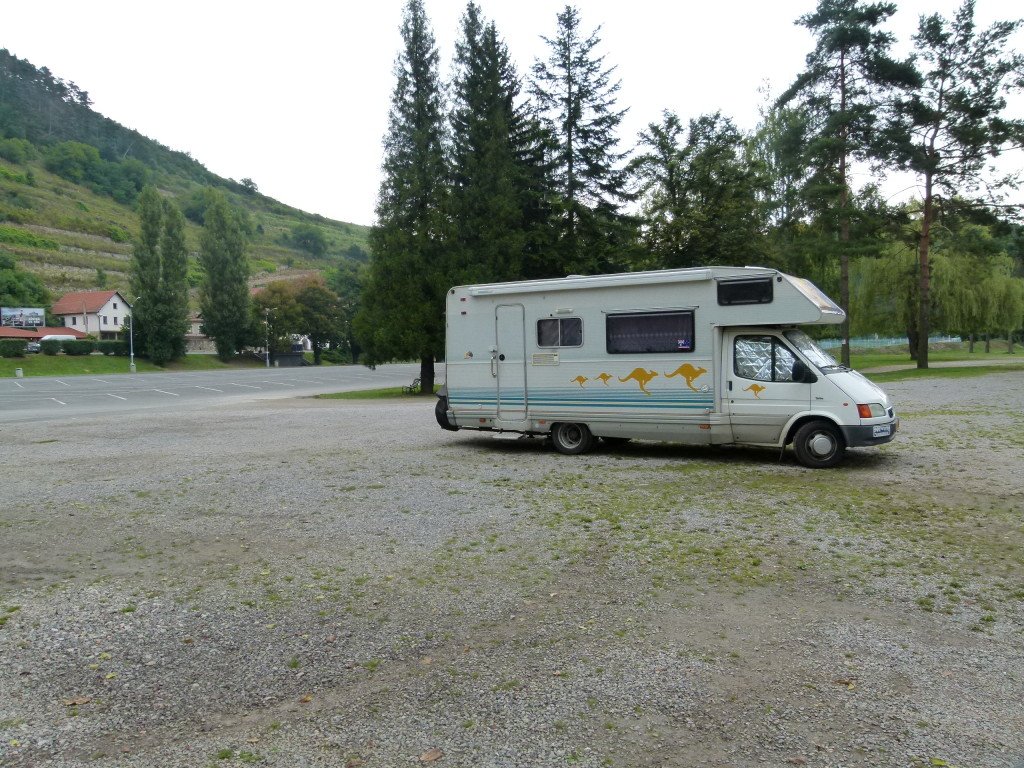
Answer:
(58, 401)
(279, 383)
(209, 388)
(102, 380)
(18, 385)
(250, 386)
(117, 396)
(62, 382)
(172, 394)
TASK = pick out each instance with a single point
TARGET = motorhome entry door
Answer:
(509, 364)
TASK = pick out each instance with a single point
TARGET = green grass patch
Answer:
(949, 353)
(94, 365)
(373, 394)
(956, 372)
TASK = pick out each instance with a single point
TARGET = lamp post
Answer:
(131, 337)
(266, 325)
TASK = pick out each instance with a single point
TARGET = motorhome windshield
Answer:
(815, 354)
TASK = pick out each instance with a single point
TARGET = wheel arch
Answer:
(803, 418)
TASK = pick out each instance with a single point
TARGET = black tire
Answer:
(818, 444)
(441, 414)
(571, 439)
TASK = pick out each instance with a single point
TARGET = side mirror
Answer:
(803, 374)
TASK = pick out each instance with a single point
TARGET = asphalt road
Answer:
(43, 398)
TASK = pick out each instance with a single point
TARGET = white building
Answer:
(102, 313)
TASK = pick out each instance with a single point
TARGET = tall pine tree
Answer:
(224, 297)
(158, 278)
(577, 97)
(849, 75)
(499, 220)
(956, 122)
(403, 304)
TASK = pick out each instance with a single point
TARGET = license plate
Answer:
(881, 430)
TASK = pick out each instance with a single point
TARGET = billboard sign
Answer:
(22, 317)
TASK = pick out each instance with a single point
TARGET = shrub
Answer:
(79, 347)
(17, 150)
(12, 348)
(335, 356)
(49, 347)
(22, 237)
(118, 348)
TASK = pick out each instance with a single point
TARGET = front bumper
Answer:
(868, 434)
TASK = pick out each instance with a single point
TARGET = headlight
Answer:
(870, 410)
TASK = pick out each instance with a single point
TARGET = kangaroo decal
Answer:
(605, 378)
(581, 380)
(642, 377)
(689, 373)
(757, 389)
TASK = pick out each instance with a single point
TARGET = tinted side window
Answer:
(560, 332)
(649, 332)
(753, 291)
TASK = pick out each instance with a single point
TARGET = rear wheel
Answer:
(571, 438)
(441, 414)
(818, 444)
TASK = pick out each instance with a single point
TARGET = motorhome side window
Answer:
(752, 291)
(763, 358)
(560, 332)
(641, 332)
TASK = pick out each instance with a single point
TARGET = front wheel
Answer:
(818, 444)
(571, 438)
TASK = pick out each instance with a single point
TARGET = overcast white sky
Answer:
(295, 95)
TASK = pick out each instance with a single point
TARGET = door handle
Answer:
(494, 364)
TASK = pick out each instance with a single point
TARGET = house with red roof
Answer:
(102, 313)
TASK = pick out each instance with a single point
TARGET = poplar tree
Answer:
(158, 278)
(402, 315)
(849, 77)
(955, 123)
(224, 296)
(576, 96)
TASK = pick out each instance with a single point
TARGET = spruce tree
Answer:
(492, 150)
(700, 204)
(224, 297)
(403, 305)
(849, 77)
(158, 279)
(576, 95)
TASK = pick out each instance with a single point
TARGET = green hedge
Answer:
(118, 348)
(49, 347)
(79, 347)
(12, 348)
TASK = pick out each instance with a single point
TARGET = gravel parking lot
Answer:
(340, 583)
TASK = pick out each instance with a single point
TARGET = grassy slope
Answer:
(92, 365)
(72, 228)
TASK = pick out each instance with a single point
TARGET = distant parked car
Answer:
(33, 346)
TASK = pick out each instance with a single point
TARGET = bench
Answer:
(412, 389)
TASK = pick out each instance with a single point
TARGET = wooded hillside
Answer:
(70, 177)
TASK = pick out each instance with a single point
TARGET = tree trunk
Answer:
(427, 375)
(970, 343)
(844, 221)
(912, 342)
(924, 278)
(988, 343)
(1009, 343)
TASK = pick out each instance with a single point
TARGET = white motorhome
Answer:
(701, 356)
